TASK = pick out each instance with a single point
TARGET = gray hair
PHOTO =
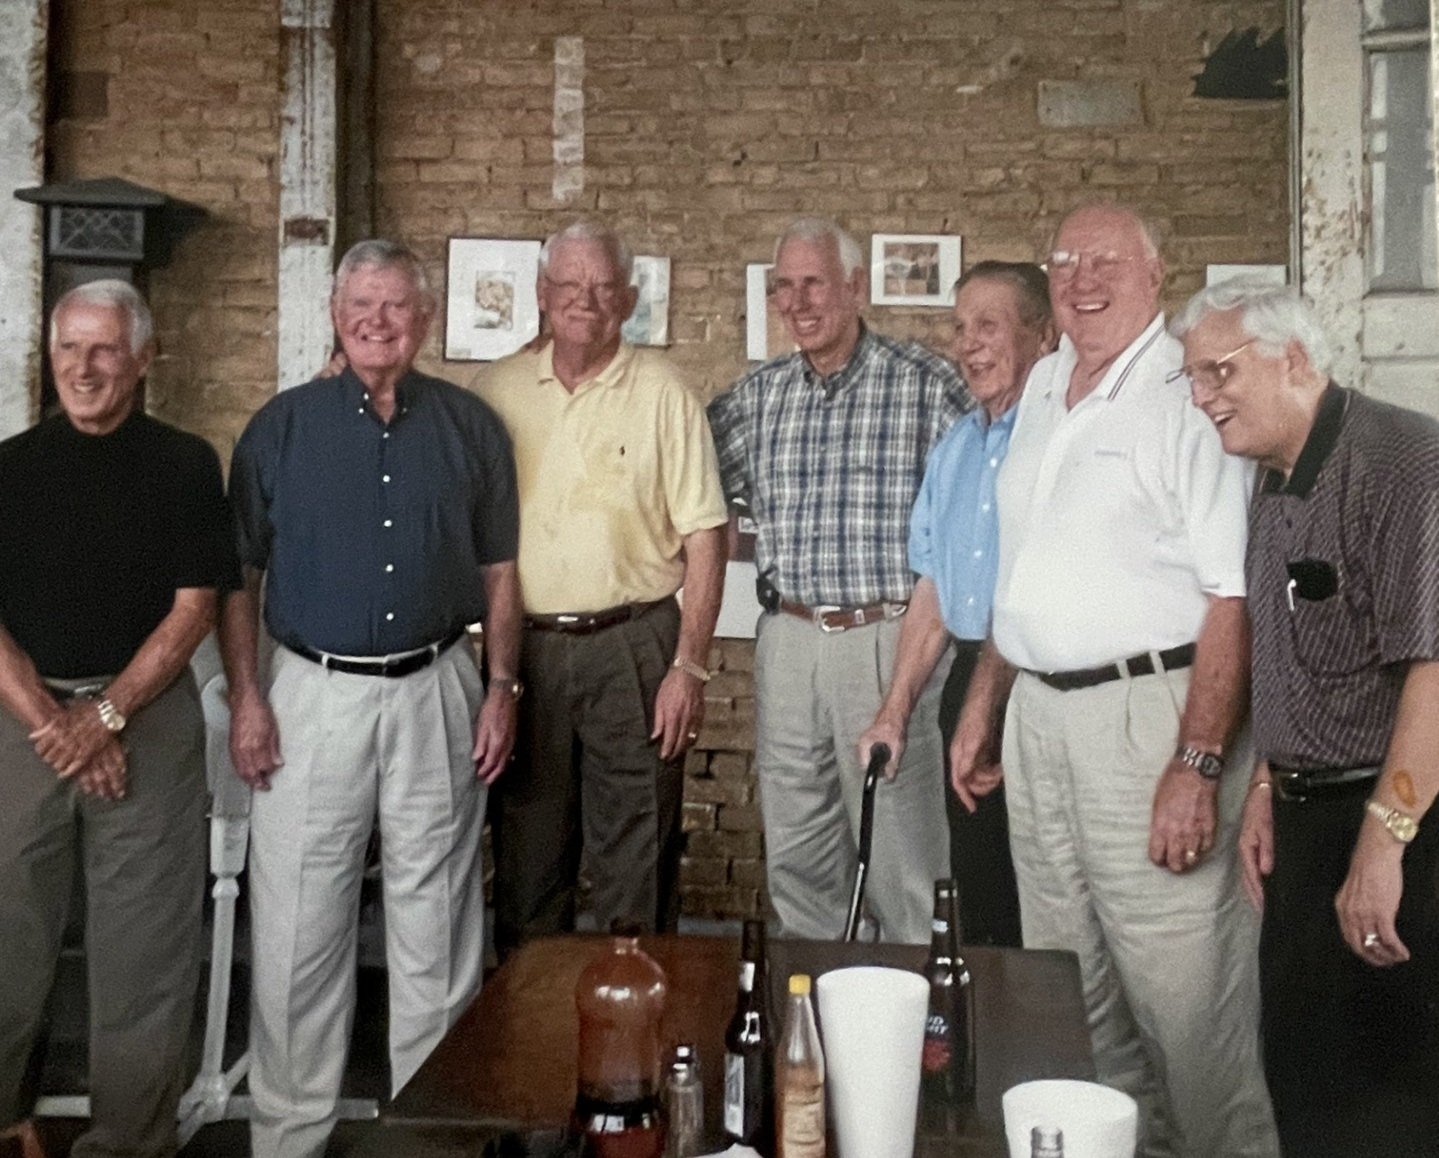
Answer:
(1148, 231)
(851, 257)
(378, 253)
(1027, 280)
(111, 293)
(587, 229)
(1272, 315)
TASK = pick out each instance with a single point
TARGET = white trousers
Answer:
(354, 747)
(1169, 962)
(815, 694)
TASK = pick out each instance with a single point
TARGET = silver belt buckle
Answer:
(827, 609)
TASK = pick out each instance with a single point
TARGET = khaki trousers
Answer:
(1169, 962)
(815, 693)
(356, 746)
(143, 860)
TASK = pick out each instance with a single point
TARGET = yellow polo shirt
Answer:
(611, 477)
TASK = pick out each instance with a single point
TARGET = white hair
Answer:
(111, 293)
(586, 229)
(1148, 231)
(851, 257)
(1272, 315)
(378, 253)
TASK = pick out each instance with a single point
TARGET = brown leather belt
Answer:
(830, 617)
(1136, 665)
(589, 622)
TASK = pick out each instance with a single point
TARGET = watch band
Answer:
(1210, 765)
(689, 667)
(110, 715)
(510, 685)
(1400, 825)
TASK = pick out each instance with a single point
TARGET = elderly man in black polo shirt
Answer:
(115, 538)
(379, 507)
(1343, 580)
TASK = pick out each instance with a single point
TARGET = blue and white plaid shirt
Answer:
(830, 466)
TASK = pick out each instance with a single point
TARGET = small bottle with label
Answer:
(799, 1078)
(684, 1104)
(1046, 1142)
(749, 1052)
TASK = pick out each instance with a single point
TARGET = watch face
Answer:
(1406, 828)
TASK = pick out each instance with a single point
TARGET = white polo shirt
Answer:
(1116, 518)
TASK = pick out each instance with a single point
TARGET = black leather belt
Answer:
(589, 622)
(392, 668)
(1295, 786)
(1136, 665)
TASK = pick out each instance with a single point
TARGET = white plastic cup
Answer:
(1097, 1122)
(872, 1021)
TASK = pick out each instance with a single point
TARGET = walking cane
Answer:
(878, 758)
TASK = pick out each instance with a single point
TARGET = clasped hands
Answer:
(78, 746)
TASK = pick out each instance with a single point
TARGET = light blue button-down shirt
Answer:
(954, 528)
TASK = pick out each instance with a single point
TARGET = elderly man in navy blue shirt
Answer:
(378, 508)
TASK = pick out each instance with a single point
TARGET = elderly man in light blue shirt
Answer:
(1002, 327)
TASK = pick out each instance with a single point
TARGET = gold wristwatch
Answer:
(1400, 825)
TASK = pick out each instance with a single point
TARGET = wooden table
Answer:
(510, 1061)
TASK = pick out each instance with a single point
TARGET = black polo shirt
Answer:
(97, 532)
(1343, 580)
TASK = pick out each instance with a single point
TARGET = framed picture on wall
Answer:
(913, 269)
(490, 304)
(649, 325)
(765, 335)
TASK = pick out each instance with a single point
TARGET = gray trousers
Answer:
(1169, 962)
(355, 746)
(815, 693)
(143, 860)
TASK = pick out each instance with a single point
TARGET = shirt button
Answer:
(384, 478)
(389, 567)
(994, 462)
(970, 601)
(385, 435)
(389, 522)
(978, 554)
(389, 615)
(984, 507)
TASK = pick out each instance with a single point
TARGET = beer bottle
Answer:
(947, 1066)
(799, 1079)
(748, 1058)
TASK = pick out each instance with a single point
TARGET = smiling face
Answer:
(96, 374)
(817, 302)
(382, 318)
(994, 347)
(1105, 301)
(585, 297)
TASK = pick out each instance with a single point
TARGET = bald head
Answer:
(1104, 279)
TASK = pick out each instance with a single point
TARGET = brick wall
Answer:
(708, 125)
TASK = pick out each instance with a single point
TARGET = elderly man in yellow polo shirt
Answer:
(620, 506)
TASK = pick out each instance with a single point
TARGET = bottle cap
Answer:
(799, 984)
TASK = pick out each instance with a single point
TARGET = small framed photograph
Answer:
(490, 306)
(649, 325)
(913, 269)
(764, 332)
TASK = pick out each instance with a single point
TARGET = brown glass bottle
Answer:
(947, 1067)
(620, 997)
(749, 1052)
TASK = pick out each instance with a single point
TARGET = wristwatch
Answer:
(512, 687)
(1210, 765)
(1401, 826)
(110, 715)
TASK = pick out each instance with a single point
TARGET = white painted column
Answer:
(23, 29)
(307, 189)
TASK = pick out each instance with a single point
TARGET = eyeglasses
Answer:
(1210, 376)
(1064, 264)
(606, 292)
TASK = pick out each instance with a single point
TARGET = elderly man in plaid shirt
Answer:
(827, 446)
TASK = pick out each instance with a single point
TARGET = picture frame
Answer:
(913, 269)
(649, 324)
(764, 332)
(491, 309)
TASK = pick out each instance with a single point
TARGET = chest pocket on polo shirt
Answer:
(1333, 629)
(609, 472)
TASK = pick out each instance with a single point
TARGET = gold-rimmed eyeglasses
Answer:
(1210, 375)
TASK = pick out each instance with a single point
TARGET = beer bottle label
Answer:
(938, 1044)
(734, 1094)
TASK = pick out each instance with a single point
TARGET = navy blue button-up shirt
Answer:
(373, 536)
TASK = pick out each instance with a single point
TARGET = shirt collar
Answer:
(1120, 370)
(608, 376)
(859, 357)
(980, 417)
(408, 390)
(1328, 422)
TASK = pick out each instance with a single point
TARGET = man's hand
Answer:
(104, 776)
(679, 712)
(1368, 901)
(886, 729)
(1256, 841)
(1182, 824)
(974, 767)
(335, 366)
(254, 740)
(72, 738)
(495, 735)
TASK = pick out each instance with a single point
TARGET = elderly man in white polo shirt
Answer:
(1120, 607)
